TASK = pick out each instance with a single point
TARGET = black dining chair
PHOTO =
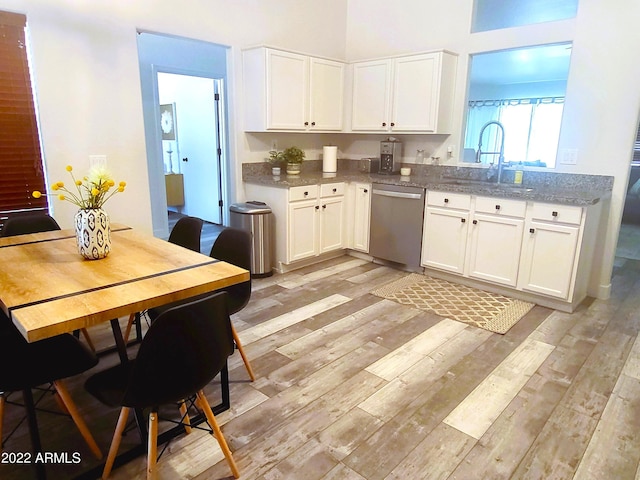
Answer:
(185, 348)
(25, 224)
(26, 366)
(233, 245)
(186, 232)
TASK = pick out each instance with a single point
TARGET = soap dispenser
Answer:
(517, 178)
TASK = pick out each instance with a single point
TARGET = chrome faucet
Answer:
(500, 154)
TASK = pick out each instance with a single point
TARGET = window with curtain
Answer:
(21, 168)
(531, 126)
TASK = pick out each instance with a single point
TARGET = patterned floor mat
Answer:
(490, 311)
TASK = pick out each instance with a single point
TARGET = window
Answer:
(531, 125)
(496, 14)
(524, 90)
(21, 169)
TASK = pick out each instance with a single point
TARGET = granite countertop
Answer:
(578, 194)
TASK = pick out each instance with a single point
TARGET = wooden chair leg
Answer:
(152, 450)
(61, 389)
(185, 417)
(115, 442)
(206, 408)
(127, 332)
(87, 337)
(236, 339)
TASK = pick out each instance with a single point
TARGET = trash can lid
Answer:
(252, 207)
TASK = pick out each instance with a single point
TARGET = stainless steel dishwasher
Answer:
(396, 223)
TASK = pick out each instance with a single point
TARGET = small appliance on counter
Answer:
(369, 165)
(390, 153)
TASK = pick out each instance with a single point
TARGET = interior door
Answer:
(196, 150)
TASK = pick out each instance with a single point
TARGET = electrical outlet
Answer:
(97, 161)
(569, 156)
(274, 145)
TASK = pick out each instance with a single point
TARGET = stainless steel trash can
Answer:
(257, 218)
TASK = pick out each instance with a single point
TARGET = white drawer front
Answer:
(460, 201)
(305, 192)
(331, 189)
(556, 213)
(501, 206)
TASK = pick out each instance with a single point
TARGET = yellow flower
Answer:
(91, 191)
(123, 184)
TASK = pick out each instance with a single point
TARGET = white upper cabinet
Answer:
(371, 95)
(326, 94)
(291, 92)
(413, 93)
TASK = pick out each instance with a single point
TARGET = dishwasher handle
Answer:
(387, 193)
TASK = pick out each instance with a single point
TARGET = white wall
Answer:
(87, 79)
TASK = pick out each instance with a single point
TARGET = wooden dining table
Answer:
(47, 288)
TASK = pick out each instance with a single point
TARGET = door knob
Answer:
(185, 159)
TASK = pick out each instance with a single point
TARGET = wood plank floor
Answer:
(350, 386)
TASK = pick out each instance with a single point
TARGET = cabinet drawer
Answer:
(501, 206)
(448, 199)
(304, 192)
(332, 189)
(556, 213)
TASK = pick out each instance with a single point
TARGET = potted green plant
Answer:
(294, 157)
(275, 159)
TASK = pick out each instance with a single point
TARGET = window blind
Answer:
(21, 169)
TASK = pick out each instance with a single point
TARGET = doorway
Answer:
(163, 57)
(192, 135)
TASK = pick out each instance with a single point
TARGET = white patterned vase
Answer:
(93, 233)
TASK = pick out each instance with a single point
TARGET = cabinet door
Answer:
(362, 217)
(287, 90)
(415, 93)
(303, 230)
(494, 250)
(371, 95)
(331, 220)
(548, 258)
(445, 239)
(327, 94)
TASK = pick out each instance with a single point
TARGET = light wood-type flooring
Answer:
(350, 386)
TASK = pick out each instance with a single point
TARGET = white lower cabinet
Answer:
(531, 247)
(358, 219)
(495, 240)
(444, 235)
(309, 220)
(315, 220)
(303, 229)
(550, 250)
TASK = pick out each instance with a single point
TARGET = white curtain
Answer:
(531, 125)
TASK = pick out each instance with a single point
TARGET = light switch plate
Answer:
(569, 156)
(97, 161)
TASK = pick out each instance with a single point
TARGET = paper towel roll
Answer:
(329, 159)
